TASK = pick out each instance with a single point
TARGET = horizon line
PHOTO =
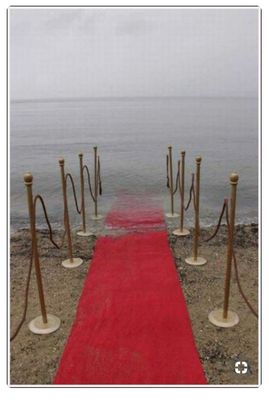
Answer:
(92, 98)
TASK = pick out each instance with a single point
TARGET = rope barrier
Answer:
(84, 232)
(95, 182)
(89, 182)
(39, 197)
(168, 178)
(172, 213)
(71, 262)
(68, 175)
(181, 187)
(191, 192)
(195, 195)
(224, 207)
(237, 273)
(177, 181)
(194, 198)
(181, 231)
(17, 330)
(167, 174)
(99, 177)
(240, 287)
(54, 322)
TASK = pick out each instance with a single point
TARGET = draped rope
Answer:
(17, 330)
(191, 192)
(89, 181)
(167, 174)
(39, 197)
(224, 207)
(254, 312)
(177, 181)
(168, 183)
(74, 190)
(99, 177)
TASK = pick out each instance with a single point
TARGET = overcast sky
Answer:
(133, 52)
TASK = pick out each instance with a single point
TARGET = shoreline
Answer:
(58, 229)
(34, 359)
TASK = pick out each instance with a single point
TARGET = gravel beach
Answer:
(34, 358)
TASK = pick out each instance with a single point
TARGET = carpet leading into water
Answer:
(132, 324)
(136, 213)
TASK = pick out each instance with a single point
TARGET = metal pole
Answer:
(171, 179)
(66, 215)
(181, 231)
(195, 260)
(28, 181)
(98, 174)
(182, 190)
(82, 193)
(233, 181)
(197, 211)
(95, 182)
(223, 317)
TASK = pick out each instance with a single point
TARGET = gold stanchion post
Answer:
(46, 323)
(95, 182)
(172, 214)
(96, 216)
(224, 317)
(195, 260)
(71, 262)
(181, 169)
(84, 231)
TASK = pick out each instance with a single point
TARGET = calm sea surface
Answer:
(132, 137)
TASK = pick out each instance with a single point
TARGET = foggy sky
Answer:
(133, 52)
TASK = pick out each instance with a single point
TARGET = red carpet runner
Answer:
(132, 324)
(135, 214)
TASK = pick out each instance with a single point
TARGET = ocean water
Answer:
(132, 135)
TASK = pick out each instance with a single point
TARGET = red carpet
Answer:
(132, 324)
(138, 214)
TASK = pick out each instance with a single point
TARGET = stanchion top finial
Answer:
(234, 178)
(198, 159)
(170, 147)
(61, 161)
(183, 152)
(28, 178)
(80, 155)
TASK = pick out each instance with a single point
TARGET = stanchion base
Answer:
(96, 217)
(76, 263)
(198, 261)
(216, 318)
(87, 233)
(183, 232)
(170, 215)
(38, 327)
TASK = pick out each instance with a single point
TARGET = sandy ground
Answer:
(34, 358)
(203, 287)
